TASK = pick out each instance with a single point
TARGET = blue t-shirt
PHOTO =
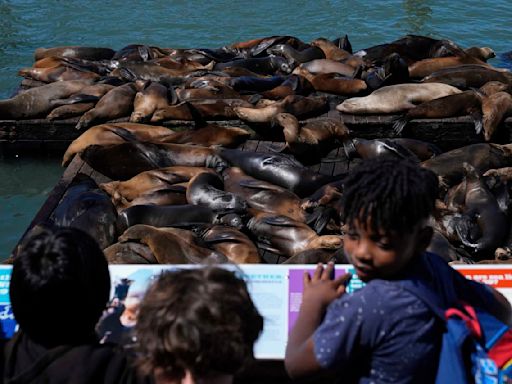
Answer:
(382, 333)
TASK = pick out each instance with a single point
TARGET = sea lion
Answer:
(255, 84)
(415, 150)
(36, 102)
(171, 245)
(482, 210)
(328, 66)
(116, 103)
(71, 110)
(332, 83)
(208, 109)
(310, 140)
(207, 189)
(132, 71)
(294, 56)
(52, 74)
(262, 195)
(183, 216)
(442, 247)
(411, 47)
(123, 161)
(277, 169)
(468, 76)
(154, 96)
(396, 98)
(219, 92)
(150, 181)
(86, 207)
(172, 195)
(129, 253)
(299, 106)
(318, 255)
(460, 104)
(115, 133)
(269, 65)
(324, 195)
(284, 236)
(293, 85)
(232, 243)
(482, 156)
(333, 52)
(426, 67)
(87, 53)
(481, 53)
(495, 108)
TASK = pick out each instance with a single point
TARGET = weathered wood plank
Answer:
(450, 133)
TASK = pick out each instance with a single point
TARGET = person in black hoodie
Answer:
(59, 287)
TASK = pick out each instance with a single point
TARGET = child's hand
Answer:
(321, 288)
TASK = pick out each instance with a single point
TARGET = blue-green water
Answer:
(27, 25)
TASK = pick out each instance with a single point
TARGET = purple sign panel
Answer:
(295, 289)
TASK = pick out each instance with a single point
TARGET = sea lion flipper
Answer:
(399, 125)
(477, 119)
(258, 184)
(281, 221)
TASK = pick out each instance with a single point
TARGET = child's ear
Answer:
(424, 238)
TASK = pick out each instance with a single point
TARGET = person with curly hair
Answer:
(196, 326)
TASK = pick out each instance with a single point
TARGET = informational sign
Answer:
(275, 289)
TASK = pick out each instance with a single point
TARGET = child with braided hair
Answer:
(382, 333)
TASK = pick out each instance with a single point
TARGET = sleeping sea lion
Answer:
(460, 104)
(207, 189)
(52, 74)
(36, 102)
(298, 106)
(154, 96)
(425, 67)
(277, 169)
(88, 53)
(116, 103)
(71, 110)
(183, 216)
(115, 133)
(86, 207)
(284, 236)
(129, 253)
(171, 245)
(232, 243)
(318, 255)
(396, 98)
(295, 56)
(123, 161)
(469, 76)
(332, 83)
(151, 181)
(314, 137)
(262, 195)
(449, 165)
(495, 108)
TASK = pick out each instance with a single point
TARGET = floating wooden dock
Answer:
(45, 136)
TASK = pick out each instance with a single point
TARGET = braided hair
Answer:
(395, 193)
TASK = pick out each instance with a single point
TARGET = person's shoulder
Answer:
(379, 293)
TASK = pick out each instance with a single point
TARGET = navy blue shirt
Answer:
(383, 333)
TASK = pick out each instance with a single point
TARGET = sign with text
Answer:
(275, 289)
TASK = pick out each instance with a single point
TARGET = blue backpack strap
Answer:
(419, 289)
(452, 367)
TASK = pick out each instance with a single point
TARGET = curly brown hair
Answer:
(201, 320)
